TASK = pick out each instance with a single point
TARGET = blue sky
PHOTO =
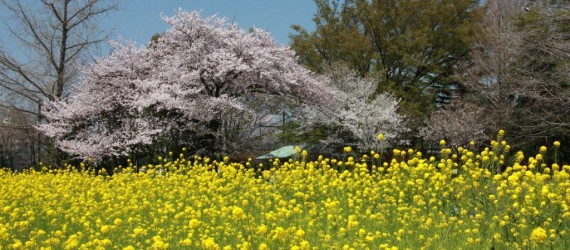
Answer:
(138, 20)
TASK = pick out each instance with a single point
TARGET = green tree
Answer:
(336, 39)
(413, 45)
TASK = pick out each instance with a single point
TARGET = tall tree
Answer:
(488, 71)
(542, 74)
(414, 45)
(48, 41)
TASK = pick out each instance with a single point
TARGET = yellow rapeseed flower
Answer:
(105, 229)
(380, 137)
(538, 235)
(193, 223)
(238, 213)
(210, 244)
(117, 222)
(501, 133)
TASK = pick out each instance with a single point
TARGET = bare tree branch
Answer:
(58, 33)
(51, 37)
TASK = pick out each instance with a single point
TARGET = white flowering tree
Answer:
(181, 86)
(360, 110)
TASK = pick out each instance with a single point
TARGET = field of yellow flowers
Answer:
(461, 199)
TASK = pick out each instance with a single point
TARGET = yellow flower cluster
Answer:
(460, 199)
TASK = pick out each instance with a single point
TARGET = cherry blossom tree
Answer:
(181, 87)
